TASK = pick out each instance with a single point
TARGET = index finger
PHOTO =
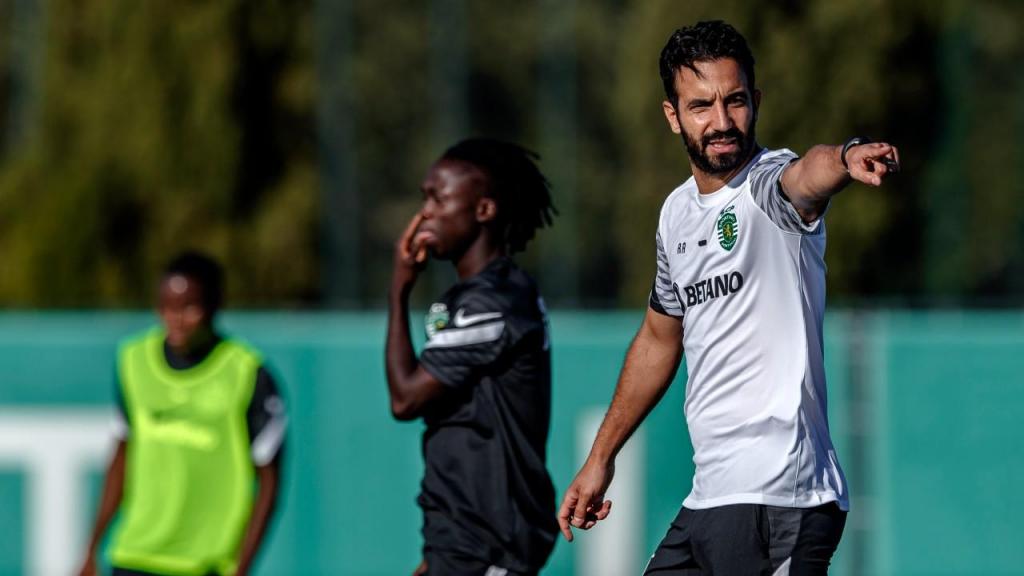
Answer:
(568, 503)
(879, 149)
(410, 232)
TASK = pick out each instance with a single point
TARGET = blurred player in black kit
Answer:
(483, 381)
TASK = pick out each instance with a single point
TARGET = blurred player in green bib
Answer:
(200, 426)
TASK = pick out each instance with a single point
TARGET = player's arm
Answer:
(811, 181)
(113, 482)
(409, 385)
(650, 366)
(267, 422)
(268, 480)
(110, 501)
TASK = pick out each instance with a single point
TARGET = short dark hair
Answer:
(515, 182)
(203, 269)
(703, 42)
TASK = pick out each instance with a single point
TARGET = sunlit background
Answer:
(288, 139)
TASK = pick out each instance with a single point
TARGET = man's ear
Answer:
(671, 117)
(486, 210)
(757, 102)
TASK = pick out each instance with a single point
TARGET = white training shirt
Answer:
(747, 277)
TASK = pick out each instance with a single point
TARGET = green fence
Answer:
(924, 410)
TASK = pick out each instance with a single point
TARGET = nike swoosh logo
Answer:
(461, 320)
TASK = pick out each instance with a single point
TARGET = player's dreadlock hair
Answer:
(522, 193)
(203, 269)
(703, 42)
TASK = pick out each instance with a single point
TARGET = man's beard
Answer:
(723, 163)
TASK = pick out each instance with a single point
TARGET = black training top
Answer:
(486, 492)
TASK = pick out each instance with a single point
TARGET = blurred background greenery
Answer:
(288, 138)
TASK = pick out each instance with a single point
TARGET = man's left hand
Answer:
(872, 163)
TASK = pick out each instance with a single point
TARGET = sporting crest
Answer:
(728, 228)
(437, 318)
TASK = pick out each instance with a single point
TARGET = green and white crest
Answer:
(437, 318)
(728, 228)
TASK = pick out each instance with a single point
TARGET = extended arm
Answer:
(811, 181)
(650, 366)
(268, 478)
(409, 385)
(110, 501)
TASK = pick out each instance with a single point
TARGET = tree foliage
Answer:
(160, 126)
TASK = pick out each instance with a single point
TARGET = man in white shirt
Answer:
(741, 288)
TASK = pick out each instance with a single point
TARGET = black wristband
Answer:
(855, 141)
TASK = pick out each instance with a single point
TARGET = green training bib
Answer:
(189, 476)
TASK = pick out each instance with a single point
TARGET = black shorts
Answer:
(448, 563)
(752, 539)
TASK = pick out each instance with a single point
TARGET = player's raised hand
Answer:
(872, 163)
(410, 253)
(584, 505)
